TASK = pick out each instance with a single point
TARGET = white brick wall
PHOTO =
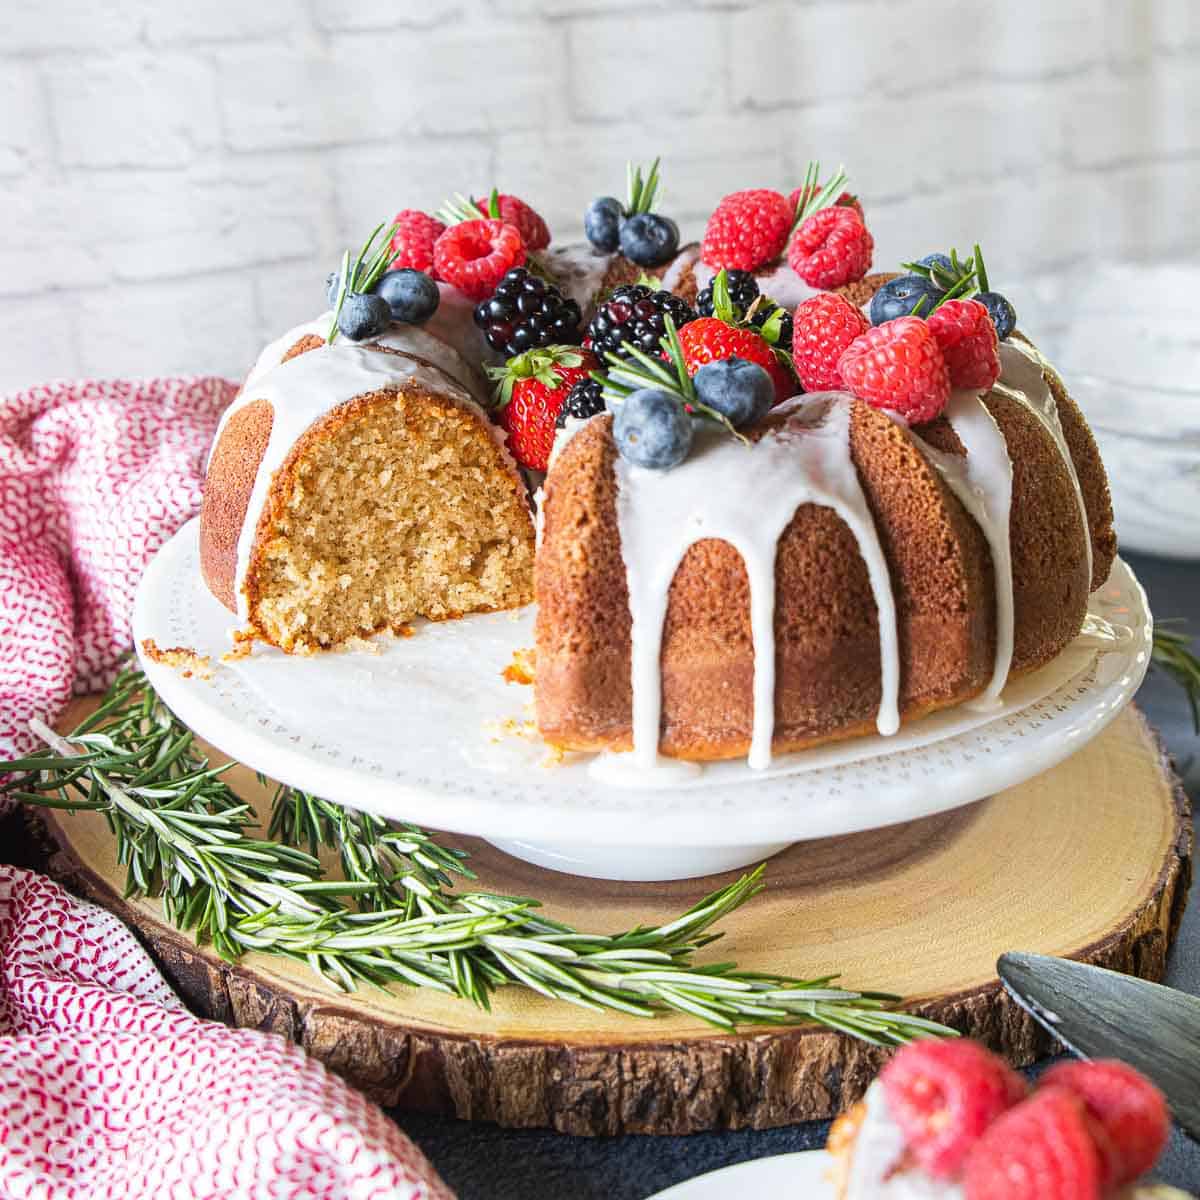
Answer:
(175, 181)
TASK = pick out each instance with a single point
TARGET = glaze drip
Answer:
(746, 496)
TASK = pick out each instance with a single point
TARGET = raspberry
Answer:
(823, 327)
(965, 332)
(831, 248)
(533, 230)
(708, 340)
(1126, 1105)
(898, 366)
(943, 1095)
(1042, 1148)
(845, 200)
(412, 243)
(747, 230)
(475, 255)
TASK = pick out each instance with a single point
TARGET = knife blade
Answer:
(1103, 1014)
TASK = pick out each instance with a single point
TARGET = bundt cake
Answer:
(923, 516)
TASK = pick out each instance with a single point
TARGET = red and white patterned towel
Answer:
(108, 1086)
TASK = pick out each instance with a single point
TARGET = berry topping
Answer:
(1127, 1106)
(940, 264)
(634, 313)
(943, 1095)
(585, 399)
(531, 388)
(965, 332)
(474, 255)
(1003, 315)
(823, 327)
(652, 429)
(708, 339)
(602, 223)
(742, 288)
(648, 239)
(412, 243)
(747, 230)
(533, 230)
(900, 296)
(898, 366)
(363, 316)
(525, 312)
(1043, 1149)
(740, 391)
(411, 295)
(802, 195)
(831, 248)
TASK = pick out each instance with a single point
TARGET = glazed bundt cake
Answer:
(721, 571)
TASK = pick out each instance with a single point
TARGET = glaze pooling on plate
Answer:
(745, 495)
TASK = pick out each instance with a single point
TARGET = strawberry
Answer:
(1126, 1105)
(831, 248)
(531, 388)
(708, 339)
(474, 255)
(846, 200)
(747, 230)
(1043, 1149)
(533, 230)
(965, 332)
(822, 328)
(943, 1095)
(412, 243)
(898, 366)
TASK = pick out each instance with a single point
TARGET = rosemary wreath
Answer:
(396, 916)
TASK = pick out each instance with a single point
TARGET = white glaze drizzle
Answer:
(746, 496)
(1022, 379)
(578, 272)
(982, 481)
(305, 388)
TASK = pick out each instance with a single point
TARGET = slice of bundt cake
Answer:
(352, 488)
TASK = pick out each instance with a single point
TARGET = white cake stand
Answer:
(427, 730)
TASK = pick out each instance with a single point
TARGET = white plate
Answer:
(803, 1176)
(423, 731)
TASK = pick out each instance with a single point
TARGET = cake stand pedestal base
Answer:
(1091, 860)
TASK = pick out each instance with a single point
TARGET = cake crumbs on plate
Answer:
(181, 658)
(523, 668)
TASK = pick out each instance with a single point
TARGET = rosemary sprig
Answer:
(368, 267)
(627, 375)
(395, 918)
(461, 208)
(962, 279)
(641, 192)
(814, 197)
(1172, 652)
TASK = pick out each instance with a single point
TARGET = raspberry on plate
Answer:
(898, 366)
(822, 328)
(1128, 1107)
(967, 336)
(412, 243)
(943, 1095)
(747, 230)
(475, 255)
(708, 339)
(831, 248)
(533, 230)
(1042, 1148)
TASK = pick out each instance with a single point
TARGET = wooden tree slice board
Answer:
(1090, 860)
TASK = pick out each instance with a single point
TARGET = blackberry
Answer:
(585, 399)
(743, 291)
(525, 313)
(760, 318)
(633, 313)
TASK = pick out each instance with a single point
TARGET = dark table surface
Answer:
(482, 1162)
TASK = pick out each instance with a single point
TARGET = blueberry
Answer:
(652, 429)
(739, 390)
(649, 240)
(411, 296)
(1003, 315)
(899, 296)
(602, 223)
(937, 260)
(363, 316)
